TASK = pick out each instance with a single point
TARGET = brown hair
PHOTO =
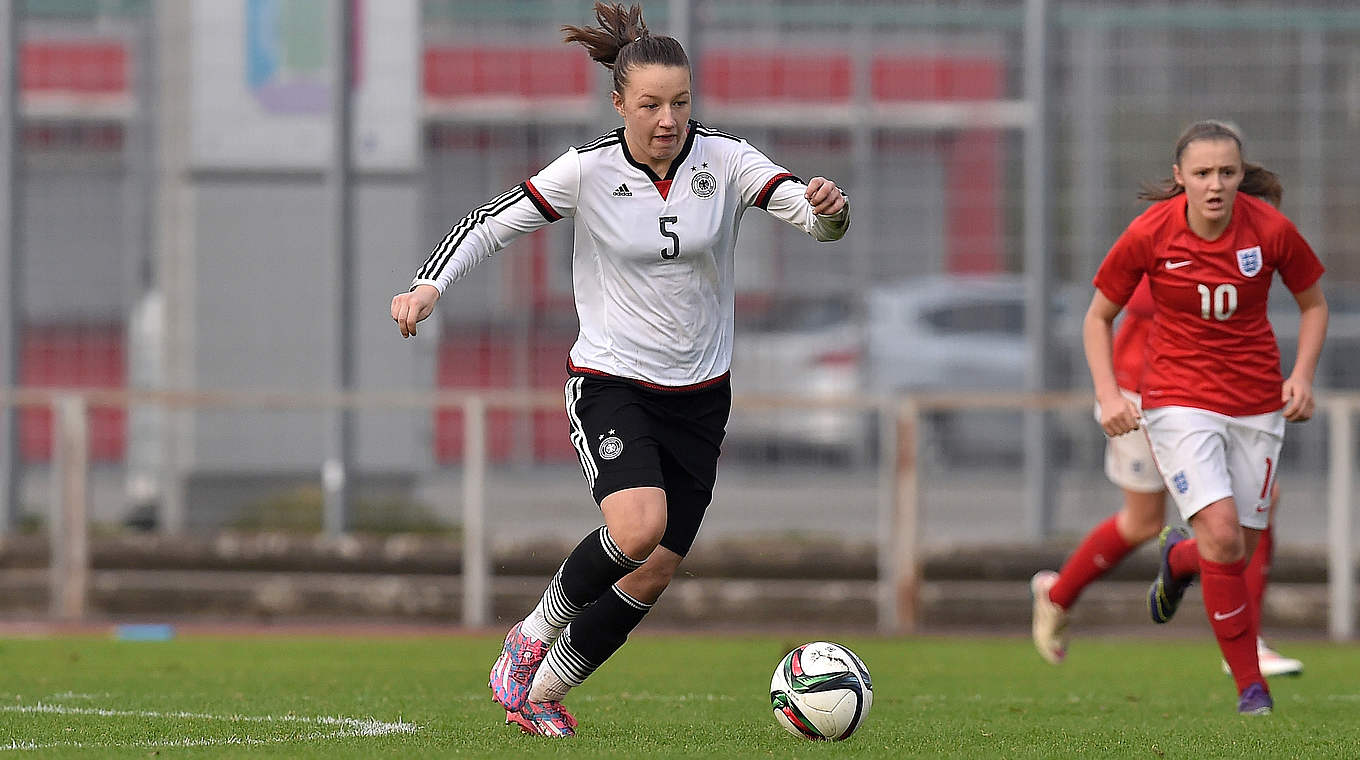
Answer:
(1256, 179)
(622, 41)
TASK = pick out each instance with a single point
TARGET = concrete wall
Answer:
(76, 267)
(266, 319)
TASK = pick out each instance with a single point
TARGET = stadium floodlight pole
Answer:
(145, 466)
(173, 247)
(1037, 255)
(684, 27)
(10, 259)
(1308, 207)
(1340, 486)
(336, 470)
(1092, 85)
(863, 157)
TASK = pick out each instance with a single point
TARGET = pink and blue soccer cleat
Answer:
(543, 719)
(513, 673)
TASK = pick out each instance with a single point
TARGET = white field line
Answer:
(342, 728)
(228, 741)
(620, 697)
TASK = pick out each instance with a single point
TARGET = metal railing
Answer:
(901, 471)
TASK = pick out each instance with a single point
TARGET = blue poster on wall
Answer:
(287, 55)
(261, 90)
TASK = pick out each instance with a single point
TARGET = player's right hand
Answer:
(413, 306)
(1118, 415)
(825, 198)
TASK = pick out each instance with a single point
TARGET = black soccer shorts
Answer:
(629, 435)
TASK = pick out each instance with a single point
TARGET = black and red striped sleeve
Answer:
(546, 197)
(763, 197)
(535, 197)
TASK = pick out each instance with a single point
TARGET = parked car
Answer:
(932, 333)
(953, 333)
(947, 332)
(799, 345)
(960, 334)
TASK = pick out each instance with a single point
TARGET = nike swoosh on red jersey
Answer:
(1178, 264)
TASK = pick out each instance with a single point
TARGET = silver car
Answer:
(798, 346)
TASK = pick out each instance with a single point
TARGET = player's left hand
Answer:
(1297, 396)
(825, 197)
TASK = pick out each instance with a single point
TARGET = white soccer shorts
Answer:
(1128, 458)
(1206, 456)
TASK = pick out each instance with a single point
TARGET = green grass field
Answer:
(662, 696)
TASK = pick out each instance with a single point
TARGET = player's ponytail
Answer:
(1262, 183)
(1256, 179)
(622, 41)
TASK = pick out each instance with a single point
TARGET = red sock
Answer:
(1228, 606)
(1258, 573)
(1101, 550)
(1184, 558)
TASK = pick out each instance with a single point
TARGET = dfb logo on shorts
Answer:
(1181, 483)
(611, 447)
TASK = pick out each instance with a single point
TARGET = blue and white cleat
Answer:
(1255, 700)
(1164, 596)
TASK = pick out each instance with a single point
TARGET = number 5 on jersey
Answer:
(675, 239)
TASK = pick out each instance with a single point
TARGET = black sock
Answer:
(594, 635)
(588, 572)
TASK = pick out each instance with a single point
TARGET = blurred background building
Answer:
(184, 222)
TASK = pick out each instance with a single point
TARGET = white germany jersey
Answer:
(652, 265)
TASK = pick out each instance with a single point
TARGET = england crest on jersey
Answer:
(1249, 261)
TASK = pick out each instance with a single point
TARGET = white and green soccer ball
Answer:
(821, 691)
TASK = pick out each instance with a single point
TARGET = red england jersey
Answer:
(1130, 341)
(1211, 346)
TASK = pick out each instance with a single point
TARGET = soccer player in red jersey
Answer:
(1129, 464)
(1214, 400)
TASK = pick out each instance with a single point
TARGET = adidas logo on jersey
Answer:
(622, 191)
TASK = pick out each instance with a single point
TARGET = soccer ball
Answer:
(821, 691)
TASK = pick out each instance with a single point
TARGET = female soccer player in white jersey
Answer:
(1214, 399)
(656, 204)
